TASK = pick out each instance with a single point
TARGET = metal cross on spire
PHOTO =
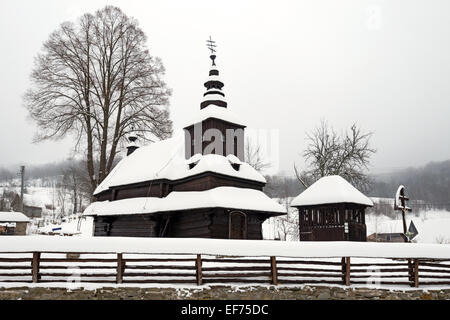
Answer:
(211, 44)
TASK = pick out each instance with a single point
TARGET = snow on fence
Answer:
(103, 268)
(209, 261)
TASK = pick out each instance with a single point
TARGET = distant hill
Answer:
(430, 183)
(39, 171)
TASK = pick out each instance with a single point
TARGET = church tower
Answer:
(215, 130)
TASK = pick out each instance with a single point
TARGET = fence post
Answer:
(416, 273)
(35, 266)
(410, 273)
(347, 271)
(273, 268)
(198, 268)
(120, 268)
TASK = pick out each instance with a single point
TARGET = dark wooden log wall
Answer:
(211, 181)
(221, 125)
(161, 188)
(153, 188)
(221, 219)
(126, 226)
(149, 190)
(191, 224)
(357, 232)
(254, 227)
(219, 228)
(202, 223)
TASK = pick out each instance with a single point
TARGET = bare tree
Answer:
(347, 155)
(282, 187)
(75, 177)
(286, 226)
(62, 187)
(254, 155)
(97, 81)
(302, 177)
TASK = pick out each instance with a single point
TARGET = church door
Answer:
(237, 225)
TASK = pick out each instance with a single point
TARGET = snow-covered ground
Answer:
(57, 207)
(433, 226)
(76, 227)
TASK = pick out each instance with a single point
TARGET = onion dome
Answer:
(213, 85)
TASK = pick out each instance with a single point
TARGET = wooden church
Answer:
(331, 209)
(196, 185)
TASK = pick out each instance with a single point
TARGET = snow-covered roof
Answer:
(165, 160)
(143, 164)
(233, 159)
(219, 164)
(213, 111)
(221, 197)
(13, 217)
(331, 189)
(33, 201)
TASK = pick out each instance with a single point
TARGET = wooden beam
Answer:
(404, 225)
(120, 268)
(416, 273)
(273, 267)
(198, 267)
(347, 271)
(411, 272)
(35, 266)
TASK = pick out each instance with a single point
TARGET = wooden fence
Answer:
(46, 267)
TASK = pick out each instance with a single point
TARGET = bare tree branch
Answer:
(254, 155)
(347, 155)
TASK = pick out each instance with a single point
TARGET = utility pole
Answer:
(22, 182)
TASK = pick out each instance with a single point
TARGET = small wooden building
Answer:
(13, 223)
(192, 185)
(32, 206)
(332, 209)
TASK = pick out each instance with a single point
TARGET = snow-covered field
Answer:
(433, 226)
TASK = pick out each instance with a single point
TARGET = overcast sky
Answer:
(286, 65)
